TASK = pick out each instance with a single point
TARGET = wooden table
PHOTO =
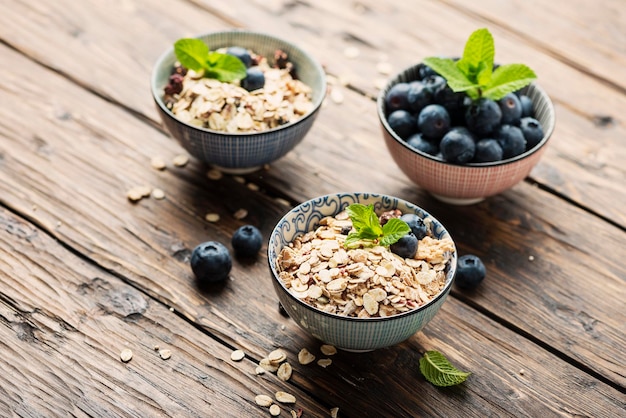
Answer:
(85, 274)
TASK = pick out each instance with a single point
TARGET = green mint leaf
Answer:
(479, 49)
(439, 371)
(393, 230)
(191, 53)
(363, 217)
(457, 79)
(353, 240)
(507, 79)
(224, 67)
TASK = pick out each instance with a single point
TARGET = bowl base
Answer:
(237, 171)
(350, 350)
(458, 201)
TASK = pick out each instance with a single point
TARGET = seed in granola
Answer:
(158, 194)
(240, 214)
(328, 350)
(165, 354)
(237, 355)
(214, 174)
(284, 397)
(126, 355)
(305, 357)
(284, 372)
(277, 356)
(263, 400)
(274, 410)
(180, 160)
(158, 163)
(212, 217)
(324, 362)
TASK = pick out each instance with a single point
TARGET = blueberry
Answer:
(434, 83)
(483, 116)
(470, 271)
(247, 241)
(451, 100)
(424, 71)
(511, 140)
(402, 123)
(255, 79)
(418, 141)
(241, 53)
(487, 150)
(511, 108)
(397, 97)
(417, 225)
(211, 262)
(527, 105)
(457, 146)
(532, 131)
(418, 97)
(405, 247)
(433, 121)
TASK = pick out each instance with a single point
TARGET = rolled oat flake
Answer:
(126, 355)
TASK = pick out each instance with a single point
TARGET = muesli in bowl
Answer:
(349, 287)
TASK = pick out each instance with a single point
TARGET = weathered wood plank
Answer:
(64, 322)
(87, 195)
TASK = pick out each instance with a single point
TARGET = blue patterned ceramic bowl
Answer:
(348, 333)
(242, 152)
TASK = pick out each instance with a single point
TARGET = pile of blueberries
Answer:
(450, 126)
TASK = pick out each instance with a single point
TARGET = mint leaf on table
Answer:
(368, 228)
(195, 55)
(436, 368)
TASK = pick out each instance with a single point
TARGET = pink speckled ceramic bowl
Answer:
(470, 183)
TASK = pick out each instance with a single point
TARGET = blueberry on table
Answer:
(247, 241)
(397, 97)
(405, 247)
(511, 140)
(418, 142)
(211, 262)
(532, 131)
(470, 271)
(241, 53)
(487, 150)
(433, 121)
(511, 108)
(458, 146)
(418, 96)
(402, 123)
(483, 116)
(527, 105)
(255, 79)
(417, 225)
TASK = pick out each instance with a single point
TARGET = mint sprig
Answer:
(368, 229)
(195, 55)
(439, 371)
(474, 74)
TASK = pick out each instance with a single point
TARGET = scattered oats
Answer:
(293, 413)
(324, 362)
(266, 167)
(240, 214)
(328, 350)
(134, 194)
(126, 355)
(284, 397)
(282, 327)
(277, 356)
(171, 309)
(239, 179)
(344, 80)
(305, 357)
(274, 410)
(156, 348)
(144, 190)
(282, 201)
(334, 412)
(531, 258)
(158, 194)
(380, 83)
(59, 224)
(237, 355)
(284, 372)
(165, 354)
(214, 174)
(212, 217)
(521, 372)
(180, 160)
(259, 370)
(34, 208)
(254, 187)
(336, 96)
(384, 68)
(158, 163)
(263, 400)
(351, 52)
(268, 366)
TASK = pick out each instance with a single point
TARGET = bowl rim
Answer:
(443, 293)
(380, 110)
(158, 96)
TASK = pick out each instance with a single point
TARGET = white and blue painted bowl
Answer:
(348, 333)
(242, 152)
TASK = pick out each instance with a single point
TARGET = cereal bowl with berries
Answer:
(237, 99)
(361, 271)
